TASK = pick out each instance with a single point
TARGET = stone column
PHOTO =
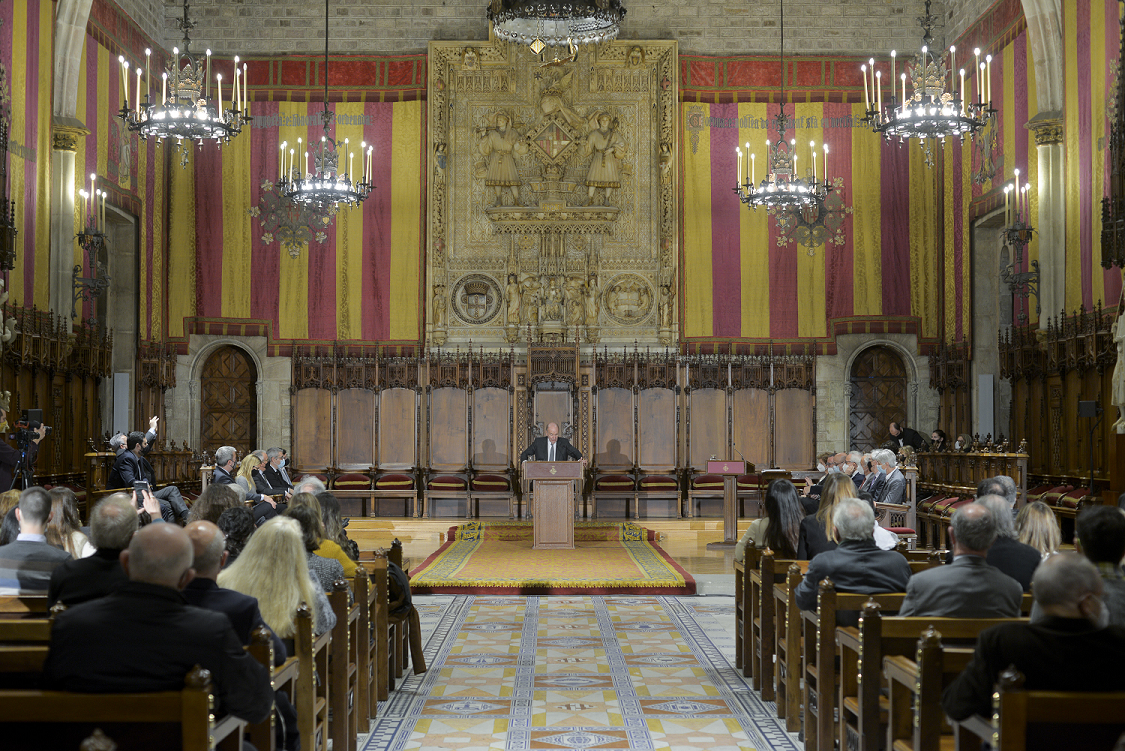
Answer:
(1051, 189)
(64, 144)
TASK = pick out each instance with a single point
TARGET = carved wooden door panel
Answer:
(878, 380)
(229, 404)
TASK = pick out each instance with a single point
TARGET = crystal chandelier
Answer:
(929, 111)
(185, 110)
(782, 187)
(325, 187)
(555, 23)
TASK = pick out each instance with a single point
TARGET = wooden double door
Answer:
(229, 403)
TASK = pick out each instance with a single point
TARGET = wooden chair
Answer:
(819, 658)
(283, 678)
(788, 647)
(915, 721)
(311, 700)
(367, 653)
(342, 670)
(354, 490)
(1040, 720)
(55, 714)
(862, 708)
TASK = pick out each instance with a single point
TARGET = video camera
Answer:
(27, 429)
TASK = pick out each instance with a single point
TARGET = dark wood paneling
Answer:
(398, 429)
(656, 429)
(554, 406)
(708, 426)
(752, 426)
(492, 428)
(449, 425)
(794, 444)
(355, 429)
(614, 441)
(312, 444)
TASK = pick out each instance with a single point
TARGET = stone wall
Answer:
(961, 14)
(702, 27)
(833, 389)
(182, 404)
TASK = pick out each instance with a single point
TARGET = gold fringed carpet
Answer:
(496, 558)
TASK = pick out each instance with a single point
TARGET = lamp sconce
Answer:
(92, 242)
(1020, 283)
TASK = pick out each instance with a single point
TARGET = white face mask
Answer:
(820, 467)
(957, 445)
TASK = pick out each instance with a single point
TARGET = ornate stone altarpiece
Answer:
(552, 198)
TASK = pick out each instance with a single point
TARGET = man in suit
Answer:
(1071, 649)
(906, 437)
(551, 448)
(857, 564)
(117, 443)
(1099, 534)
(273, 473)
(968, 587)
(261, 482)
(874, 479)
(894, 487)
(112, 524)
(131, 466)
(264, 506)
(145, 637)
(853, 468)
(26, 564)
(1008, 554)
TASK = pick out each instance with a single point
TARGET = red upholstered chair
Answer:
(486, 485)
(1055, 494)
(353, 490)
(750, 489)
(613, 485)
(396, 486)
(703, 486)
(1036, 493)
(446, 486)
(659, 486)
(892, 517)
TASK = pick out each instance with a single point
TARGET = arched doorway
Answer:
(878, 381)
(229, 407)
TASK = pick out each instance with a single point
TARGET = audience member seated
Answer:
(264, 506)
(112, 524)
(873, 480)
(1007, 553)
(212, 502)
(274, 472)
(816, 529)
(336, 543)
(968, 587)
(937, 440)
(263, 478)
(64, 529)
(1099, 534)
(132, 466)
(274, 569)
(1037, 526)
(853, 468)
(237, 525)
(857, 564)
(309, 484)
(117, 443)
(9, 527)
(145, 637)
(894, 487)
(306, 510)
(964, 444)
(780, 529)
(1071, 649)
(26, 564)
(249, 470)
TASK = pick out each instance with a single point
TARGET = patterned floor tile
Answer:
(579, 739)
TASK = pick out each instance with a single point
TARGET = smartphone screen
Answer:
(138, 487)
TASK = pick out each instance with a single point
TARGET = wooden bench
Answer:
(1035, 720)
(366, 648)
(741, 607)
(311, 701)
(342, 669)
(863, 711)
(24, 644)
(23, 606)
(818, 657)
(787, 647)
(60, 719)
(915, 721)
(376, 563)
(282, 677)
(762, 635)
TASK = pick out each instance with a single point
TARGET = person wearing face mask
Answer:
(274, 470)
(937, 440)
(853, 468)
(1070, 649)
(874, 479)
(963, 443)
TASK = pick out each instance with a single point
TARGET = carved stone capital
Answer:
(65, 134)
(1047, 127)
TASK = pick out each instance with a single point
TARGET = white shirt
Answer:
(551, 450)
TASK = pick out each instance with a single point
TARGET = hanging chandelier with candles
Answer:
(936, 107)
(782, 187)
(555, 23)
(1017, 233)
(184, 111)
(325, 187)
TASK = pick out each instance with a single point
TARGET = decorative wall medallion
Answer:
(628, 299)
(476, 298)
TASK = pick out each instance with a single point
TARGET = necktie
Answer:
(550, 451)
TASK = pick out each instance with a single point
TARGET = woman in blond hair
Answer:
(817, 531)
(273, 568)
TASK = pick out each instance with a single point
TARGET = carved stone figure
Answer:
(552, 299)
(531, 290)
(592, 303)
(499, 145)
(439, 162)
(666, 295)
(1119, 376)
(665, 162)
(551, 99)
(513, 298)
(636, 57)
(439, 306)
(604, 171)
(574, 301)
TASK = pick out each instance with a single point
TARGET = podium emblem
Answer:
(726, 468)
(553, 470)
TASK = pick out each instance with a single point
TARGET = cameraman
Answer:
(10, 457)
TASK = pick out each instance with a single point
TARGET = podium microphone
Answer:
(735, 447)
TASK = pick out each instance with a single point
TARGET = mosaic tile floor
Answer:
(590, 672)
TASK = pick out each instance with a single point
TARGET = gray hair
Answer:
(855, 457)
(1001, 513)
(1064, 579)
(113, 522)
(118, 441)
(224, 454)
(310, 484)
(974, 533)
(885, 457)
(1001, 485)
(260, 454)
(854, 519)
(272, 453)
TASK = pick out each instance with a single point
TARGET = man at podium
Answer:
(551, 448)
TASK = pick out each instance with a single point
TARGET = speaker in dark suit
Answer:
(551, 447)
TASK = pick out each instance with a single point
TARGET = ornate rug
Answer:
(613, 672)
(496, 558)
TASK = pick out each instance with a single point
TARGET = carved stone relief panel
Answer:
(552, 203)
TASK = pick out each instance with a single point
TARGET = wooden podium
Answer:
(554, 502)
(730, 472)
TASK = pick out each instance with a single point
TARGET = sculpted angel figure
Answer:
(604, 172)
(513, 297)
(592, 304)
(531, 290)
(499, 144)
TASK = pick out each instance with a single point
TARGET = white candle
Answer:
(148, 75)
(812, 148)
(738, 165)
(234, 98)
(976, 68)
(1007, 209)
(347, 150)
(1017, 182)
(164, 89)
(988, 77)
(138, 93)
(871, 67)
(370, 172)
(300, 149)
(207, 94)
(952, 66)
(893, 56)
(825, 164)
(291, 158)
(245, 95)
(962, 89)
(281, 162)
(879, 89)
(350, 173)
(866, 97)
(904, 93)
(754, 167)
(219, 85)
